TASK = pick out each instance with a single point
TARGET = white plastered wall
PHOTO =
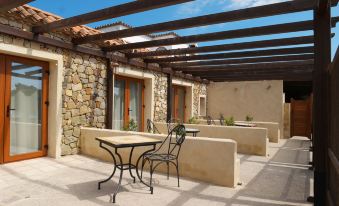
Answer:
(124, 70)
(189, 96)
(55, 91)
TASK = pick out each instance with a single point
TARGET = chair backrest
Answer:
(210, 121)
(151, 128)
(171, 124)
(174, 140)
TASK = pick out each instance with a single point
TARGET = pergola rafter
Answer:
(240, 61)
(223, 17)
(255, 53)
(244, 67)
(107, 13)
(231, 34)
(227, 47)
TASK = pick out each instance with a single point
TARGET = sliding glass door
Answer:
(24, 110)
(128, 104)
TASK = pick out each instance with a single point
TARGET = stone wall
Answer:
(199, 89)
(84, 98)
(160, 97)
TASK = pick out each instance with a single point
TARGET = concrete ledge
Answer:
(250, 140)
(205, 159)
(273, 130)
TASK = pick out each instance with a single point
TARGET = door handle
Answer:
(9, 110)
(129, 110)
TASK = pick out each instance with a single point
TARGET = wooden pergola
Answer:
(306, 58)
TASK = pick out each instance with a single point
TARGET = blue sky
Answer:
(68, 8)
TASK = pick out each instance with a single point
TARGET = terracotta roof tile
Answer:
(34, 16)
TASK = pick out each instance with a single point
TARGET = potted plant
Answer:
(132, 126)
(249, 118)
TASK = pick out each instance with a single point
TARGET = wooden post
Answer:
(169, 96)
(322, 60)
(110, 92)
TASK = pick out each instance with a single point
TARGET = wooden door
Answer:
(178, 103)
(301, 117)
(24, 108)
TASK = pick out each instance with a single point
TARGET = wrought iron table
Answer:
(126, 142)
(192, 131)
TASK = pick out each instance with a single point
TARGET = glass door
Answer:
(135, 103)
(119, 104)
(128, 104)
(25, 109)
(178, 103)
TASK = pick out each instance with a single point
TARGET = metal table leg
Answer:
(121, 173)
(115, 166)
(130, 164)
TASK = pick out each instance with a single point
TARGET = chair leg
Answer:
(167, 170)
(177, 167)
(142, 166)
(151, 176)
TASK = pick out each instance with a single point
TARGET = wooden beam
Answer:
(240, 61)
(301, 77)
(272, 73)
(259, 73)
(322, 5)
(227, 47)
(6, 5)
(254, 67)
(107, 13)
(322, 60)
(256, 53)
(296, 69)
(223, 17)
(169, 96)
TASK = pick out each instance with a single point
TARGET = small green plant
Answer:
(132, 126)
(229, 121)
(193, 120)
(249, 118)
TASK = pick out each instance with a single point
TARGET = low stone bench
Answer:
(250, 140)
(206, 159)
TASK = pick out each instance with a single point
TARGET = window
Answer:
(202, 106)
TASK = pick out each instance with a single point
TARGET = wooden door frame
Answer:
(176, 100)
(44, 104)
(2, 105)
(127, 99)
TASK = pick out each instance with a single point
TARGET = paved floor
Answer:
(280, 179)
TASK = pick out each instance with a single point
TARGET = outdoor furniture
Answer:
(126, 142)
(210, 121)
(168, 152)
(192, 131)
(151, 128)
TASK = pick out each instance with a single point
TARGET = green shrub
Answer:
(193, 120)
(249, 118)
(132, 126)
(229, 121)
